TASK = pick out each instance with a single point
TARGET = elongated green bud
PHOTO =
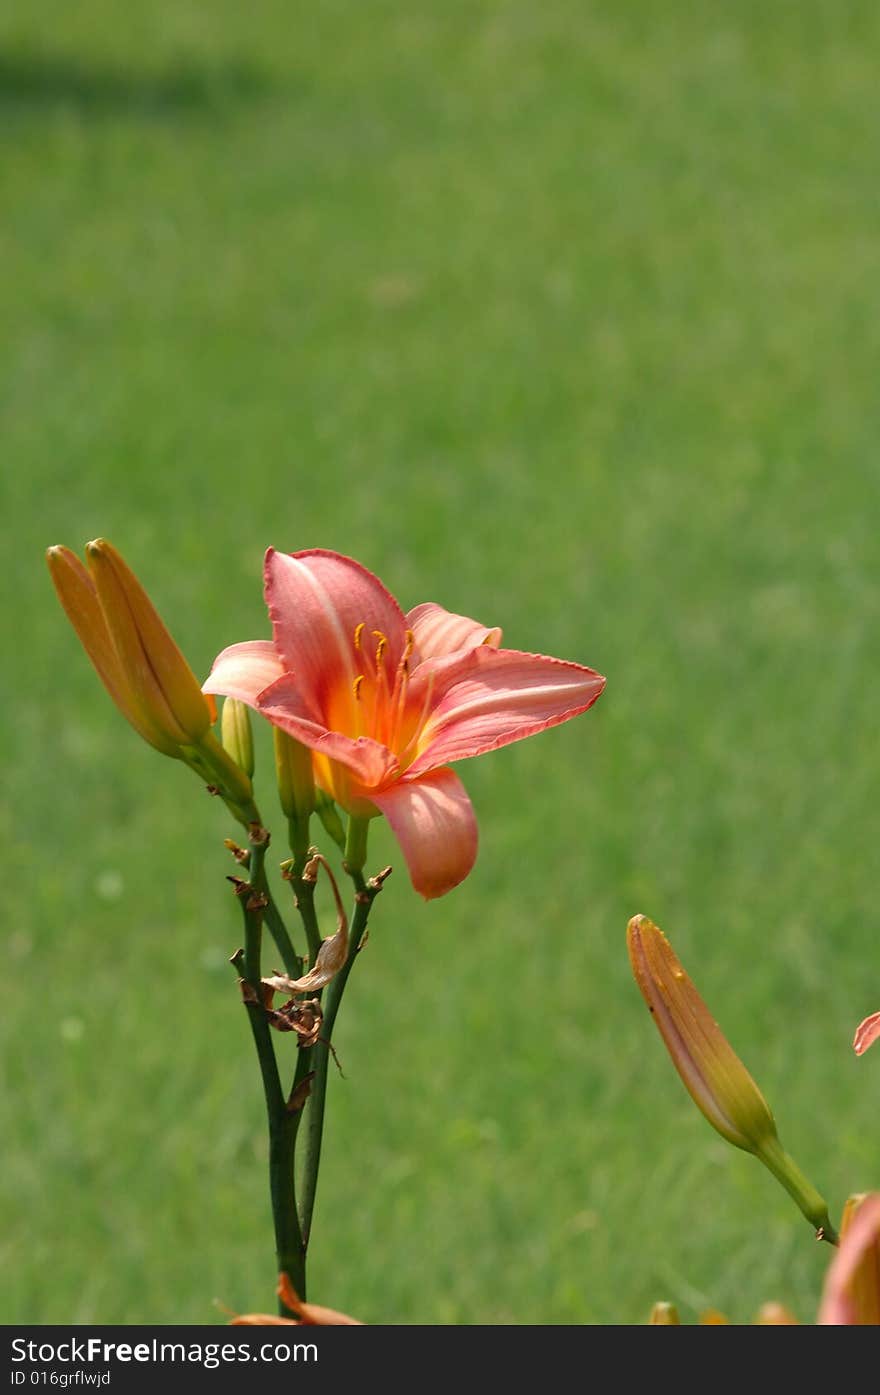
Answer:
(293, 771)
(664, 1315)
(236, 733)
(329, 815)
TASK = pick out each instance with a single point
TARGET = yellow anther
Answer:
(381, 646)
(359, 629)
(410, 644)
(356, 687)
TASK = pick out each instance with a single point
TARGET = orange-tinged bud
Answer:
(664, 1315)
(775, 1315)
(716, 1078)
(163, 683)
(79, 596)
(712, 1318)
(851, 1296)
(713, 1074)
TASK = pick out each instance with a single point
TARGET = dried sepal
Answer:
(302, 1016)
(300, 1093)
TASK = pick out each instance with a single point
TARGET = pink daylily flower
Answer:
(867, 1033)
(386, 700)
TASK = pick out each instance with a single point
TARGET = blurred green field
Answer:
(565, 316)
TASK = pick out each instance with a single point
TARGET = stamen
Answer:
(359, 629)
(381, 694)
(358, 705)
(417, 729)
(398, 692)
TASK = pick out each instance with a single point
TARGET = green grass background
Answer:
(565, 316)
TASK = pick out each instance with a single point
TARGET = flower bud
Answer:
(164, 685)
(293, 771)
(79, 596)
(329, 815)
(713, 1074)
(664, 1315)
(715, 1077)
(775, 1315)
(236, 733)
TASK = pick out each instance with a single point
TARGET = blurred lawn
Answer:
(565, 316)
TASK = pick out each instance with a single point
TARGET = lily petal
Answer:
(282, 703)
(438, 632)
(867, 1033)
(243, 670)
(851, 1296)
(317, 601)
(486, 698)
(434, 822)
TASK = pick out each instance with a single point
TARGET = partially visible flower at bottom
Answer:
(308, 1314)
(851, 1293)
(851, 1297)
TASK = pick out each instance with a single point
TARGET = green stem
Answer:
(298, 838)
(303, 891)
(305, 903)
(807, 1199)
(283, 1124)
(366, 894)
(278, 930)
(213, 764)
